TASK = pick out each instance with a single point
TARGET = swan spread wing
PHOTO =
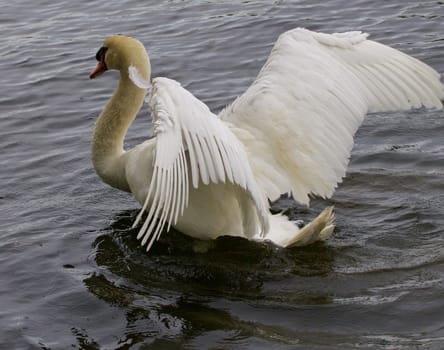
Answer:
(298, 118)
(189, 139)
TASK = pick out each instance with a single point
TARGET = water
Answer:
(71, 273)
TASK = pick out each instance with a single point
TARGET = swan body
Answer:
(292, 132)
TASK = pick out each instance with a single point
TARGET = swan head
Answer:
(121, 52)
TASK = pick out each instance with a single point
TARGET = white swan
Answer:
(291, 131)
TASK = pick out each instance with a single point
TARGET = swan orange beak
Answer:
(100, 68)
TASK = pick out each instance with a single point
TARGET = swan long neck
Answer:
(108, 154)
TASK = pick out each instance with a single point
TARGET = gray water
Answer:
(72, 275)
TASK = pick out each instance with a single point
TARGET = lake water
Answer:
(72, 275)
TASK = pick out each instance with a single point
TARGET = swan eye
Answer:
(100, 55)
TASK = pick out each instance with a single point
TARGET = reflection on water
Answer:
(168, 291)
(230, 266)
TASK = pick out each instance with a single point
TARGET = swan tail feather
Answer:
(317, 230)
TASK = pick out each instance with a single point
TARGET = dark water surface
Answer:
(71, 273)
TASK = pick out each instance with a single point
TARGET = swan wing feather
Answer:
(193, 147)
(298, 118)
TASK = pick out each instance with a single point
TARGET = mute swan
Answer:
(292, 132)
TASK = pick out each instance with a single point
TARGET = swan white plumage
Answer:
(292, 132)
